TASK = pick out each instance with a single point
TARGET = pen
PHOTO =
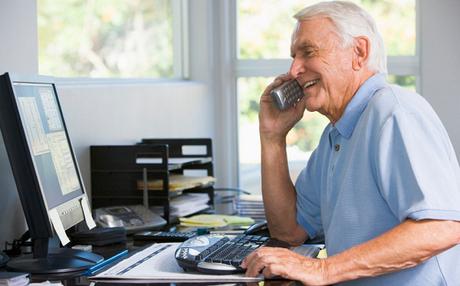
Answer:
(93, 269)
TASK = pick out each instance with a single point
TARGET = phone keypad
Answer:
(287, 94)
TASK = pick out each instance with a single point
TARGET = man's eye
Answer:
(308, 53)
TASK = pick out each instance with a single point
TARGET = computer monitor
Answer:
(45, 169)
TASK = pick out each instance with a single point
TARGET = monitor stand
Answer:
(57, 262)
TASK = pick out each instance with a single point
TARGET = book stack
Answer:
(250, 205)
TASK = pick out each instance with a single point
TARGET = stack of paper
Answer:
(179, 183)
(213, 220)
(186, 204)
(250, 205)
(13, 279)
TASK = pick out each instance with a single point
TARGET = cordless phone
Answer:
(287, 94)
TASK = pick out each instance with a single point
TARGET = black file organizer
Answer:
(115, 171)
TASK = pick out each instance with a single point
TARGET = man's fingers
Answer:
(269, 265)
(267, 272)
(255, 266)
(246, 260)
(254, 263)
(283, 77)
(257, 261)
(273, 270)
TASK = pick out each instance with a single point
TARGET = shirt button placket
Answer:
(335, 152)
(332, 159)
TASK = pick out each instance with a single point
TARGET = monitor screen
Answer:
(48, 142)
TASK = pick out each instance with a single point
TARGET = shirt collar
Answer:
(358, 103)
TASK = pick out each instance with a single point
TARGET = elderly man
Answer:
(383, 186)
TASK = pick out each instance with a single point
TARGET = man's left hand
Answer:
(274, 261)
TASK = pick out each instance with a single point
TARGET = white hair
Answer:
(351, 21)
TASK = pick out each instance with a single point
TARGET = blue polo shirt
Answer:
(386, 160)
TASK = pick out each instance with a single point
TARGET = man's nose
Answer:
(296, 68)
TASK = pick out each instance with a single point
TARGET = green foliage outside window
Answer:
(271, 26)
(105, 38)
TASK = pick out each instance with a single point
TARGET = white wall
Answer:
(18, 52)
(440, 62)
(18, 27)
(126, 113)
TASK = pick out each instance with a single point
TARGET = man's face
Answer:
(321, 65)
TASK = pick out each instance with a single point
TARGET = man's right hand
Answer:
(273, 123)
(277, 188)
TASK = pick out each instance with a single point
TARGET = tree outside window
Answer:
(102, 38)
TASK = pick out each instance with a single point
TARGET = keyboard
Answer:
(222, 254)
(147, 237)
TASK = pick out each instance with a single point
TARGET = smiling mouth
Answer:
(310, 83)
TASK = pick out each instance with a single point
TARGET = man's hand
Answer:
(274, 261)
(404, 246)
(273, 123)
(277, 188)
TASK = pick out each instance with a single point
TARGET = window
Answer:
(263, 53)
(101, 38)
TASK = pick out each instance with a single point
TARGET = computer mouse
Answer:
(259, 228)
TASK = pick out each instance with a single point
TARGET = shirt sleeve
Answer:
(417, 167)
(308, 201)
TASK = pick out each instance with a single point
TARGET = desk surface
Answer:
(108, 251)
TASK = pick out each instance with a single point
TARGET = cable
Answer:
(14, 248)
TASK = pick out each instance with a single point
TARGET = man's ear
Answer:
(361, 51)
